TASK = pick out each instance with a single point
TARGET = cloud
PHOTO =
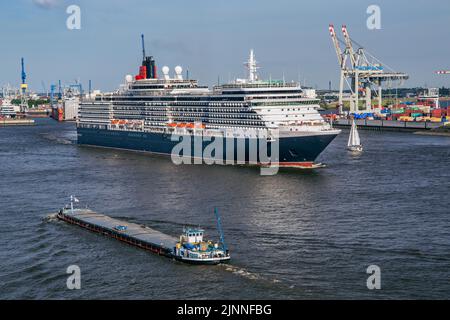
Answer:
(46, 4)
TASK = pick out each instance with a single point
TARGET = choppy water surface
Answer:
(296, 235)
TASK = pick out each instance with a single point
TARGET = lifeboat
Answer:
(190, 125)
(172, 125)
(199, 125)
(122, 122)
(181, 125)
(114, 121)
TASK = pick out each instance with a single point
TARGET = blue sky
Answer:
(212, 38)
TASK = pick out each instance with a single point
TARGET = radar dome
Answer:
(165, 70)
(178, 71)
(129, 78)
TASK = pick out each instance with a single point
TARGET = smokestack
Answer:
(148, 64)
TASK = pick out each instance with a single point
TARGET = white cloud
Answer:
(46, 4)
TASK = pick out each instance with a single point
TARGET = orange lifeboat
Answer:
(190, 125)
(181, 125)
(172, 125)
(114, 121)
(122, 122)
(200, 126)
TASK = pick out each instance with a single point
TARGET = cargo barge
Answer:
(190, 248)
(387, 125)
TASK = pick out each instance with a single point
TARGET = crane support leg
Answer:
(380, 99)
(341, 93)
(368, 98)
(356, 106)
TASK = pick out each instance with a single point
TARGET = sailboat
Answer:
(354, 142)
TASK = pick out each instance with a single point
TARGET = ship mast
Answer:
(143, 47)
(252, 67)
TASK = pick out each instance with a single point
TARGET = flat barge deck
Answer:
(131, 233)
(388, 125)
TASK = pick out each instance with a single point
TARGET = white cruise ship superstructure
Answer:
(147, 111)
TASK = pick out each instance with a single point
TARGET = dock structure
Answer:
(362, 72)
(387, 125)
(131, 233)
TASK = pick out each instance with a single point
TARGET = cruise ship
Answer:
(147, 111)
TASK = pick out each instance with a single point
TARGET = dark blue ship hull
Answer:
(293, 151)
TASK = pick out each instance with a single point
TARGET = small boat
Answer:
(354, 142)
(193, 249)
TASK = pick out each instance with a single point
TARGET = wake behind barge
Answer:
(190, 248)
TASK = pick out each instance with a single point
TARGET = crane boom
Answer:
(349, 46)
(336, 44)
(219, 228)
(24, 75)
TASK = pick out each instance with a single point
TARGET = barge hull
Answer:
(135, 235)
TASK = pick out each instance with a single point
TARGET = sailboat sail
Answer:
(353, 139)
(356, 140)
(350, 140)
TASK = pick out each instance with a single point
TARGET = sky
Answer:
(212, 39)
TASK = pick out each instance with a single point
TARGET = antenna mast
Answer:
(252, 67)
(143, 46)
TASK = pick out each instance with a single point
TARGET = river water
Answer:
(295, 235)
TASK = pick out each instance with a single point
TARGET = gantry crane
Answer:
(23, 89)
(360, 71)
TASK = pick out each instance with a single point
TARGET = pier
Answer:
(131, 233)
(388, 125)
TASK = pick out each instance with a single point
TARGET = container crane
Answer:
(360, 71)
